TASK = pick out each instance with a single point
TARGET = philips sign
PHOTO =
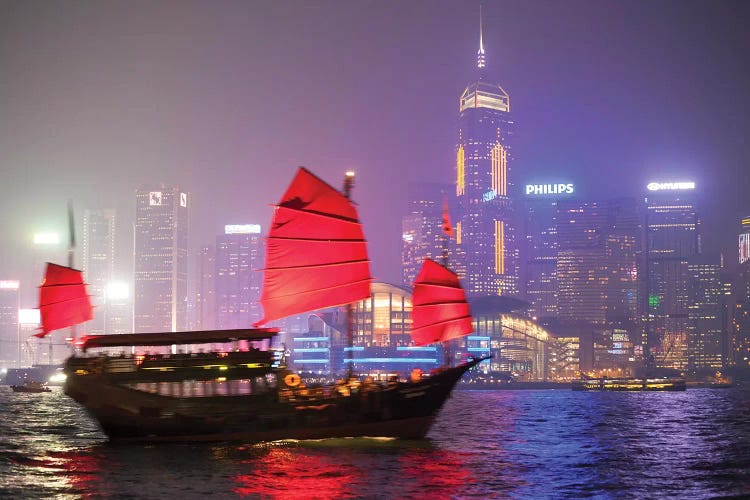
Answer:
(549, 189)
(670, 186)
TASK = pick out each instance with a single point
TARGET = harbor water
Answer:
(485, 444)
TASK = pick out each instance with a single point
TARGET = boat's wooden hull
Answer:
(402, 410)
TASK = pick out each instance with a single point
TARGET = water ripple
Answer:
(485, 444)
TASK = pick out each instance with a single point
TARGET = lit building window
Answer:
(499, 247)
(499, 169)
(460, 172)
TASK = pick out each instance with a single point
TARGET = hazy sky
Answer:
(227, 98)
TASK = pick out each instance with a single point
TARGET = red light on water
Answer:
(350, 472)
(298, 473)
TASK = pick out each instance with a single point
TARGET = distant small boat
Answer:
(31, 386)
(720, 381)
(720, 385)
(630, 384)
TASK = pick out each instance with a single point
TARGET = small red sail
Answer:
(316, 253)
(440, 310)
(63, 300)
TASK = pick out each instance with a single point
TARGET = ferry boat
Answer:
(630, 384)
(31, 386)
(316, 258)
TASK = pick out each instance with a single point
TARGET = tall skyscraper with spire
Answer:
(485, 227)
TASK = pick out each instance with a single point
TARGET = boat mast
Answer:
(447, 231)
(348, 186)
(71, 262)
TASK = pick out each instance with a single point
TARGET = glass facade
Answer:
(238, 260)
(160, 260)
(488, 247)
(672, 237)
(422, 235)
(10, 341)
(598, 247)
(540, 270)
(704, 329)
(382, 341)
(98, 265)
(518, 348)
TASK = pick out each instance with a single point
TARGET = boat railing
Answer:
(161, 365)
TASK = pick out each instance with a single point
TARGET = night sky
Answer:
(226, 99)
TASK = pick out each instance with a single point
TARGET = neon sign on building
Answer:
(549, 189)
(670, 186)
(242, 229)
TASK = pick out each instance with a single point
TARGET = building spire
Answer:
(480, 52)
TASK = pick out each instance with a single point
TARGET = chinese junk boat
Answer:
(316, 258)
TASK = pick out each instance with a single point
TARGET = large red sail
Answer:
(440, 309)
(316, 253)
(63, 300)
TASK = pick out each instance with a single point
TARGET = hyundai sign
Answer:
(670, 186)
(549, 189)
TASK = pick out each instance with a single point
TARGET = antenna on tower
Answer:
(480, 52)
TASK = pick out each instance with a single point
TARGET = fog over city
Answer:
(98, 99)
(374, 249)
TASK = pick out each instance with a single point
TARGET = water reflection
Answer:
(485, 444)
(282, 472)
(354, 468)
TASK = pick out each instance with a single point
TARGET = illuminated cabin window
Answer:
(499, 247)
(460, 172)
(500, 169)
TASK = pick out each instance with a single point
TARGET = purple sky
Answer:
(227, 98)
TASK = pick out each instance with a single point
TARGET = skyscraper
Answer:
(205, 289)
(10, 346)
(740, 340)
(160, 260)
(744, 240)
(422, 234)
(485, 230)
(596, 261)
(539, 268)
(238, 260)
(672, 237)
(704, 329)
(98, 263)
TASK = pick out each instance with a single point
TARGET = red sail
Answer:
(63, 300)
(316, 253)
(440, 310)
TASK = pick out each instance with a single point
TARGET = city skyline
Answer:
(374, 249)
(175, 99)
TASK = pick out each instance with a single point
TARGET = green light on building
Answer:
(653, 300)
